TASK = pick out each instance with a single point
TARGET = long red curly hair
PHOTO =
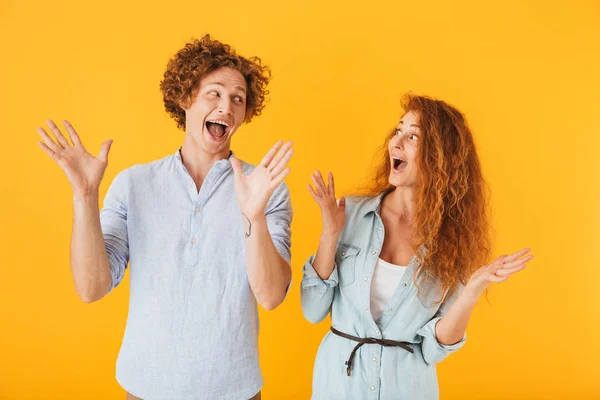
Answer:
(452, 220)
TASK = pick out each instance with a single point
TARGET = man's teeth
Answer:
(219, 122)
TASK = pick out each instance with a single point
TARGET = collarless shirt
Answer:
(192, 327)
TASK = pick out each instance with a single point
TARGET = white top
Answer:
(386, 278)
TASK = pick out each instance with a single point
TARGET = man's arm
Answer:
(269, 273)
(89, 260)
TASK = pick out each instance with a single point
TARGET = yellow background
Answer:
(526, 75)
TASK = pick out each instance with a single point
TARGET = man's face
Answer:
(217, 111)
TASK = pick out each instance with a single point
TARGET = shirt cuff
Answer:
(428, 331)
(311, 278)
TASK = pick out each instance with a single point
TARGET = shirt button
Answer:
(390, 309)
(366, 279)
(373, 252)
(404, 284)
(343, 253)
(193, 240)
(366, 308)
(372, 388)
(380, 229)
(197, 210)
(374, 358)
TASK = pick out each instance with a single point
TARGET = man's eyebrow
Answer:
(219, 83)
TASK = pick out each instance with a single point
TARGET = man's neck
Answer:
(197, 162)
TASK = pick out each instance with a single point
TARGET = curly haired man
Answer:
(206, 235)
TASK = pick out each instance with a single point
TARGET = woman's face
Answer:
(402, 149)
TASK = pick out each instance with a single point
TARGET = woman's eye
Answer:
(413, 137)
(213, 93)
(398, 132)
(239, 99)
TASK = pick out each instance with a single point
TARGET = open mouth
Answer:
(398, 164)
(218, 129)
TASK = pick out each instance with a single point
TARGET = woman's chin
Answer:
(401, 183)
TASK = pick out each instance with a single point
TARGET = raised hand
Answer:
(498, 271)
(83, 170)
(254, 191)
(332, 212)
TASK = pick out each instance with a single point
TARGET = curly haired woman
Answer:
(400, 270)
(207, 236)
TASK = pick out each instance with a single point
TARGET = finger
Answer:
(279, 178)
(510, 271)
(236, 164)
(104, 149)
(516, 255)
(279, 156)
(48, 150)
(321, 182)
(317, 187)
(267, 158)
(282, 164)
(331, 184)
(48, 141)
(58, 134)
(312, 192)
(72, 133)
(517, 262)
(498, 279)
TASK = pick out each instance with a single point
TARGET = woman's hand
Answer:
(332, 212)
(498, 271)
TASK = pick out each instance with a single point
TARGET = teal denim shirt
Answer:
(378, 372)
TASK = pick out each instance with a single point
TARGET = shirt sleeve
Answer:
(113, 222)
(434, 351)
(279, 220)
(316, 294)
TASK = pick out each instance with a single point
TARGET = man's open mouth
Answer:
(217, 128)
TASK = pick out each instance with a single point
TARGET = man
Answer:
(207, 235)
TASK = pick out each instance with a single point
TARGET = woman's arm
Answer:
(451, 328)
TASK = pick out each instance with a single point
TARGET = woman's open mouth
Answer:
(398, 164)
(218, 129)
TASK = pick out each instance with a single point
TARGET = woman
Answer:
(401, 270)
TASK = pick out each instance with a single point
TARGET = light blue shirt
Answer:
(192, 327)
(378, 372)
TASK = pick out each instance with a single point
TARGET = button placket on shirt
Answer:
(200, 200)
(375, 248)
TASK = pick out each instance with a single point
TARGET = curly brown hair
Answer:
(201, 56)
(452, 220)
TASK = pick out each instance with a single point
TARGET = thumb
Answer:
(236, 164)
(342, 204)
(104, 149)
(501, 258)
